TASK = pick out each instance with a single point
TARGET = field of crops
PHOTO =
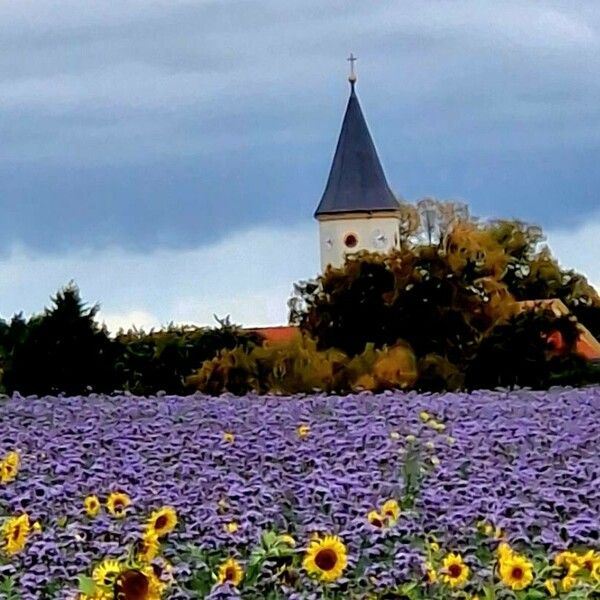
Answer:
(495, 495)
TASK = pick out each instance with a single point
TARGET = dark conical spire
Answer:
(356, 181)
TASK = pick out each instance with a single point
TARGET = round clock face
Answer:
(379, 239)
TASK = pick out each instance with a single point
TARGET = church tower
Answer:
(358, 210)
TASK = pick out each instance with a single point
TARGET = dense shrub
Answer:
(299, 367)
(162, 360)
(518, 353)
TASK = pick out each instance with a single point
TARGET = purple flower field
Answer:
(526, 463)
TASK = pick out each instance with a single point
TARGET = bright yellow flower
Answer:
(504, 551)
(15, 533)
(391, 511)
(326, 558)
(375, 519)
(450, 440)
(410, 438)
(106, 573)
(424, 416)
(37, 527)
(162, 521)
(117, 503)
(430, 573)
(92, 505)
(231, 572)
(231, 527)
(287, 539)
(229, 437)
(566, 559)
(516, 572)
(567, 583)
(303, 431)
(589, 562)
(9, 467)
(435, 547)
(148, 547)
(550, 587)
(455, 571)
(488, 529)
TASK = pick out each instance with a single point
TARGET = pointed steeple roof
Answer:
(356, 181)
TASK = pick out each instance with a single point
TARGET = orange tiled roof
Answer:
(587, 345)
(274, 335)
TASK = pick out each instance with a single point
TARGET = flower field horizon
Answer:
(397, 495)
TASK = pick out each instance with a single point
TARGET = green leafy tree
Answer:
(62, 350)
(162, 360)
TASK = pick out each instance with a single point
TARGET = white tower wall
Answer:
(344, 234)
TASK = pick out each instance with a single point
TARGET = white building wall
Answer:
(376, 233)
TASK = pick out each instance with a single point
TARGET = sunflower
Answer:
(567, 583)
(391, 511)
(117, 503)
(16, 531)
(566, 559)
(516, 572)
(9, 467)
(430, 574)
(230, 572)
(455, 571)
(92, 505)
(504, 551)
(550, 587)
(326, 558)
(137, 584)
(162, 521)
(229, 437)
(303, 431)
(148, 547)
(287, 539)
(589, 562)
(375, 519)
(105, 575)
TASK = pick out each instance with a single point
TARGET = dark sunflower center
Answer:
(517, 573)
(588, 565)
(229, 574)
(161, 522)
(326, 559)
(132, 585)
(376, 522)
(455, 570)
(16, 533)
(118, 504)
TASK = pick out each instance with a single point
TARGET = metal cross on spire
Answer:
(352, 77)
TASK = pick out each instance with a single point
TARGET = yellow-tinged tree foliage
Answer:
(452, 282)
(299, 367)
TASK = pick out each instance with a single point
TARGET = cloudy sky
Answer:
(167, 155)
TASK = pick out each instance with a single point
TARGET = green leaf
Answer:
(87, 585)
